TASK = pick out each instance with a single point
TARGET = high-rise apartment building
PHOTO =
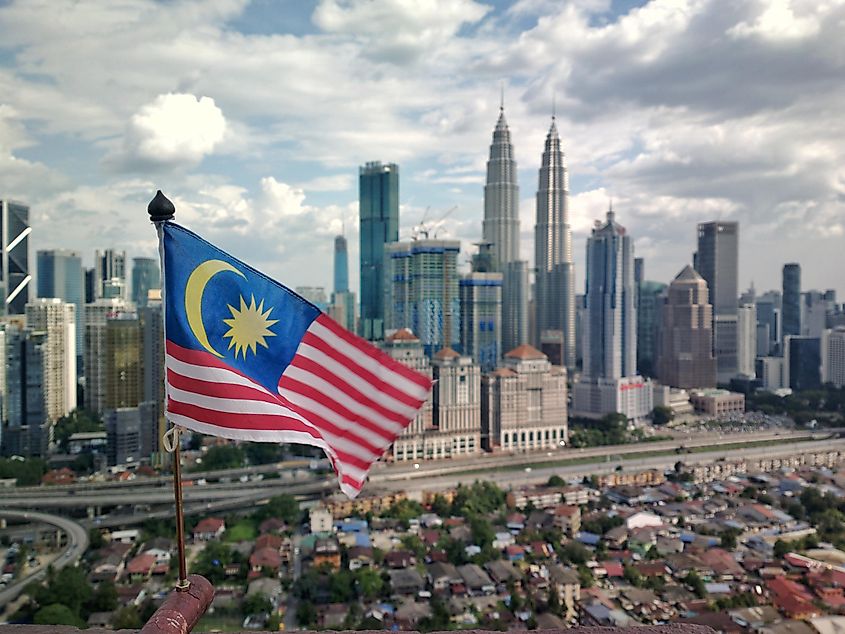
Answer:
(686, 334)
(609, 382)
(57, 320)
(717, 260)
(152, 362)
(145, 277)
(15, 273)
(378, 201)
(60, 274)
(791, 299)
(123, 430)
(110, 274)
(815, 308)
(554, 288)
(97, 315)
(833, 357)
(500, 229)
(802, 362)
(421, 279)
(481, 312)
(523, 406)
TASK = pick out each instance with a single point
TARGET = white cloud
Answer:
(174, 130)
(778, 21)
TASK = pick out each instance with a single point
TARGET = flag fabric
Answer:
(246, 358)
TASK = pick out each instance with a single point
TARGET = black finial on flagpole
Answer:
(160, 208)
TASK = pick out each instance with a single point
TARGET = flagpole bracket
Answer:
(160, 208)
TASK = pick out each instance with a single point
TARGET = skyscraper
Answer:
(96, 317)
(341, 265)
(378, 202)
(791, 310)
(833, 357)
(145, 276)
(342, 307)
(718, 263)
(110, 274)
(57, 320)
(26, 429)
(124, 361)
(152, 340)
(481, 314)
(60, 275)
(14, 256)
(686, 343)
(500, 228)
(746, 334)
(422, 291)
(651, 297)
(769, 323)
(609, 382)
(554, 297)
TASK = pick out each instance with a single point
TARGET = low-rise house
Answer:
(272, 525)
(320, 520)
(264, 560)
(502, 540)
(567, 518)
(476, 580)
(270, 588)
(140, 567)
(270, 540)
(567, 583)
(161, 548)
(333, 615)
(723, 564)
(406, 581)
(400, 559)
(209, 528)
(756, 617)
(326, 553)
(360, 557)
(441, 576)
(501, 572)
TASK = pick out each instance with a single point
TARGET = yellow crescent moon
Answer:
(197, 282)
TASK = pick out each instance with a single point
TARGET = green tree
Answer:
(440, 506)
(284, 506)
(104, 599)
(633, 576)
(95, 538)
(553, 601)
(306, 614)
(222, 457)
(781, 548)
(662, 415)
(127, 618)
(57, 614)
(728, 539)
(257, 603)
(78, 421)
(369, 582)
(556, 481)
(696, 584)
(585, 577)
(26, 472)
(415, 545)
(263, 452)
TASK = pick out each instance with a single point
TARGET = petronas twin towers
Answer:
(554, 288)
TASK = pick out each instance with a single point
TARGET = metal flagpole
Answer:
(161, 210)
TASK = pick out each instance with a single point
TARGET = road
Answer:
(76, 546)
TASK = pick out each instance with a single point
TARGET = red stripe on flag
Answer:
(371, 351)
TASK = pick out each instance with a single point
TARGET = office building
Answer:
(833, 357)
(314, 294)
(791, 299)
(746, 340)
(378, 190)
(554, 289)
(152, 393)
(26, 430)
(15, 273)
(523, 406)
(421, 281)
(718, 403)
(124, 361)
(145, 277)
(481, 312)
(802, 362)
(815, 308)
(57, 320)
(772, 373)
(123, 433)
(718, 263)
(456, 406)
(500, 229)
(97, 315)
(341, 265)
(686, 336)
(651, 297)
(342, 306)
(769, 323)
(609, 382)
(110, 274)
(60, 274)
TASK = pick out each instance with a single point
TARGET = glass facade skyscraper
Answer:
(341, 265)
(14, 256)
(791, 310)
(145, 276)
(717, 262)
(378, 205)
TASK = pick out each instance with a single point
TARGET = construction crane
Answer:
(426, 230)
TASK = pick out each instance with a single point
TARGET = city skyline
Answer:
(85, 143)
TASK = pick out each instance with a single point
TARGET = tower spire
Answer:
(554, 105)
(502, 96)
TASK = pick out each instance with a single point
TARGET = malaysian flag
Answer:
(249, 359)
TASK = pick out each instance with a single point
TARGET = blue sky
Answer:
(254, 117)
